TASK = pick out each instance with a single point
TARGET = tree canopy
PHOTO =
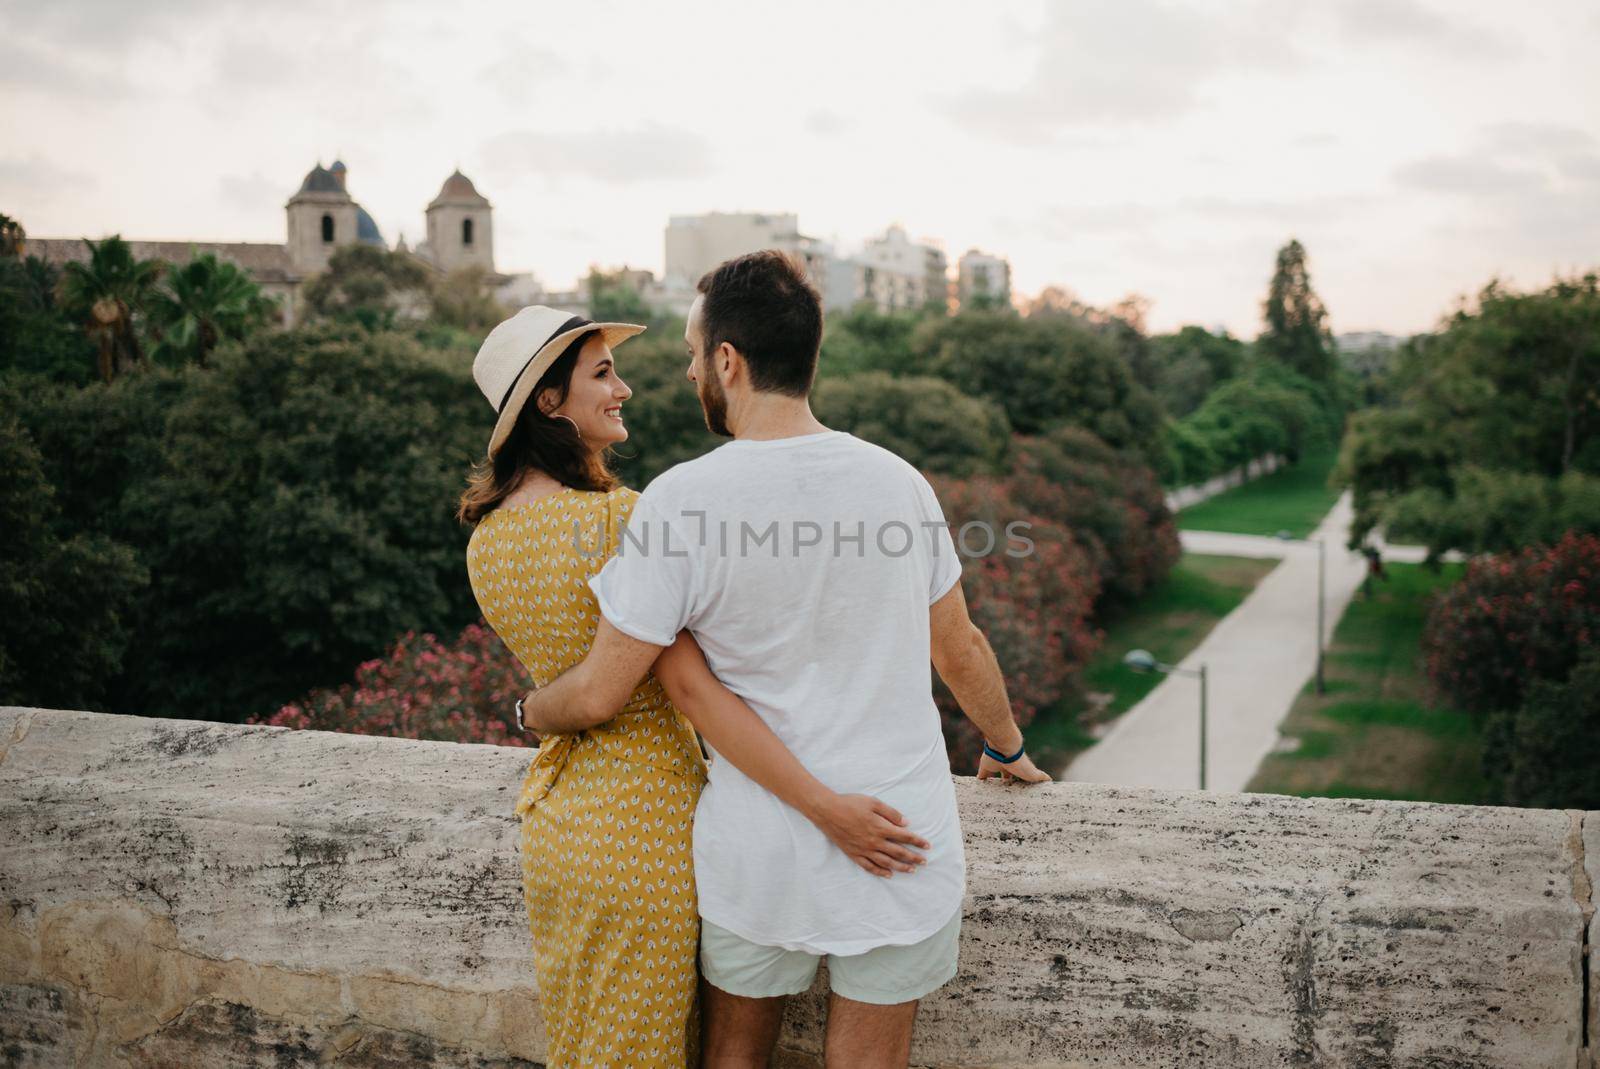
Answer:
(1496, 414)
(371, 286)
(201, 303)
(1296, 333)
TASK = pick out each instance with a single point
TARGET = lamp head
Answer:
(1139, 660)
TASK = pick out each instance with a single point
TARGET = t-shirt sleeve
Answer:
(946, 563)
(646, 589)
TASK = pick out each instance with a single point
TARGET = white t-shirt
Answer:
(804, 567)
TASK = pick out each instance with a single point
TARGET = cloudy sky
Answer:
(1416, 147)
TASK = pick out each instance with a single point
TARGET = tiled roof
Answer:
(321, 180)
(261, 261)
(458, 189)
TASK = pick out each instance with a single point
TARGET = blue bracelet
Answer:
(990, 751)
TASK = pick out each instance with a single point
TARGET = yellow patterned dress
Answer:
(606, 815)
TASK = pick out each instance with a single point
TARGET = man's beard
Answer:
(713, 402)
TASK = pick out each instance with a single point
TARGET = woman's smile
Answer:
(595, 395)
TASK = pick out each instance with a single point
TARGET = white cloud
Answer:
(1512, 159)
(249, 193)
(825, 123)
(1110, 62)
(1166, 147)
(614, 156)
(1412, 23)
(54, 70)
(38, 178)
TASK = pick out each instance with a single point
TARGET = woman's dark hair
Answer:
(538, 442)
(764, 306)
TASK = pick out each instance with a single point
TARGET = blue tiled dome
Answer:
(367, 229)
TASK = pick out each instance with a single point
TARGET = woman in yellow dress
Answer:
(606, 814)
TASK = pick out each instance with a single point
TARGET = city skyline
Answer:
(1109, 149)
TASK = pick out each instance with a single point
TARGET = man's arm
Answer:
(870, 832)
(967, 664)
(591, 692)
(596, 688)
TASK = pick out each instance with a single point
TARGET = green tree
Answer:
(1045, 372)
(1551, 745)
(1123, 324)
(1488, 510)
(1511, 385)
(63, 600)
(1266, 409)
(865, 339)
(929, 423)
(1370, 369)
(1296, 331)
(462, 299)
(108, 295)
(1108, 501)
(1192, 363)
(294, 506)
(370, 286)
(12, 237)
(613, 300)
(981, 300)
(201, 303)
(36, 337)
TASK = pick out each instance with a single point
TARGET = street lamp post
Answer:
(1145, 661)
(1322, 597)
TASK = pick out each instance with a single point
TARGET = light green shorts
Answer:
(883, 976)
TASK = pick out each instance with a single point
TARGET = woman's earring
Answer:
(569, 419)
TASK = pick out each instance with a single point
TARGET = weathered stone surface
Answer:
(187, 893)
(1585, 883)
(33, 1026)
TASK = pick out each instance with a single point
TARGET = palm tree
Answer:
(203, 302)
(108, 293)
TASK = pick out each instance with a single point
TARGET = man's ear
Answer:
(729, 362)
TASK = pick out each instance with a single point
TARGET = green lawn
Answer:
(1371, 735)
(1293, 499)
(1169, 621)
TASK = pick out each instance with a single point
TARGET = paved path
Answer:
(1258, 658)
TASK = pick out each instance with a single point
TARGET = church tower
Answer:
(321, 218)
(460, 231)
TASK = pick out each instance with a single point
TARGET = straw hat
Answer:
(518, 352)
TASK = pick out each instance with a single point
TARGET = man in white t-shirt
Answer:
(818, 576)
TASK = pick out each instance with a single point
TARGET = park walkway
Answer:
(1258, 658)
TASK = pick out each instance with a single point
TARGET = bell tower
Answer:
(460, 226)
(321, 218)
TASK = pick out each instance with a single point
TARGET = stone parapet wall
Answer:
(182, 893)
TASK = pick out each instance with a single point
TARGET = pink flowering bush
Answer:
(1110, 502)
(1034, 609)
(423, 689)
(1515, 618)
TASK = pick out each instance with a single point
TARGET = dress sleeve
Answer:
(619, 507)
(647, 590)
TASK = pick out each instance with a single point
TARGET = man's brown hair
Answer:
(764, 306)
